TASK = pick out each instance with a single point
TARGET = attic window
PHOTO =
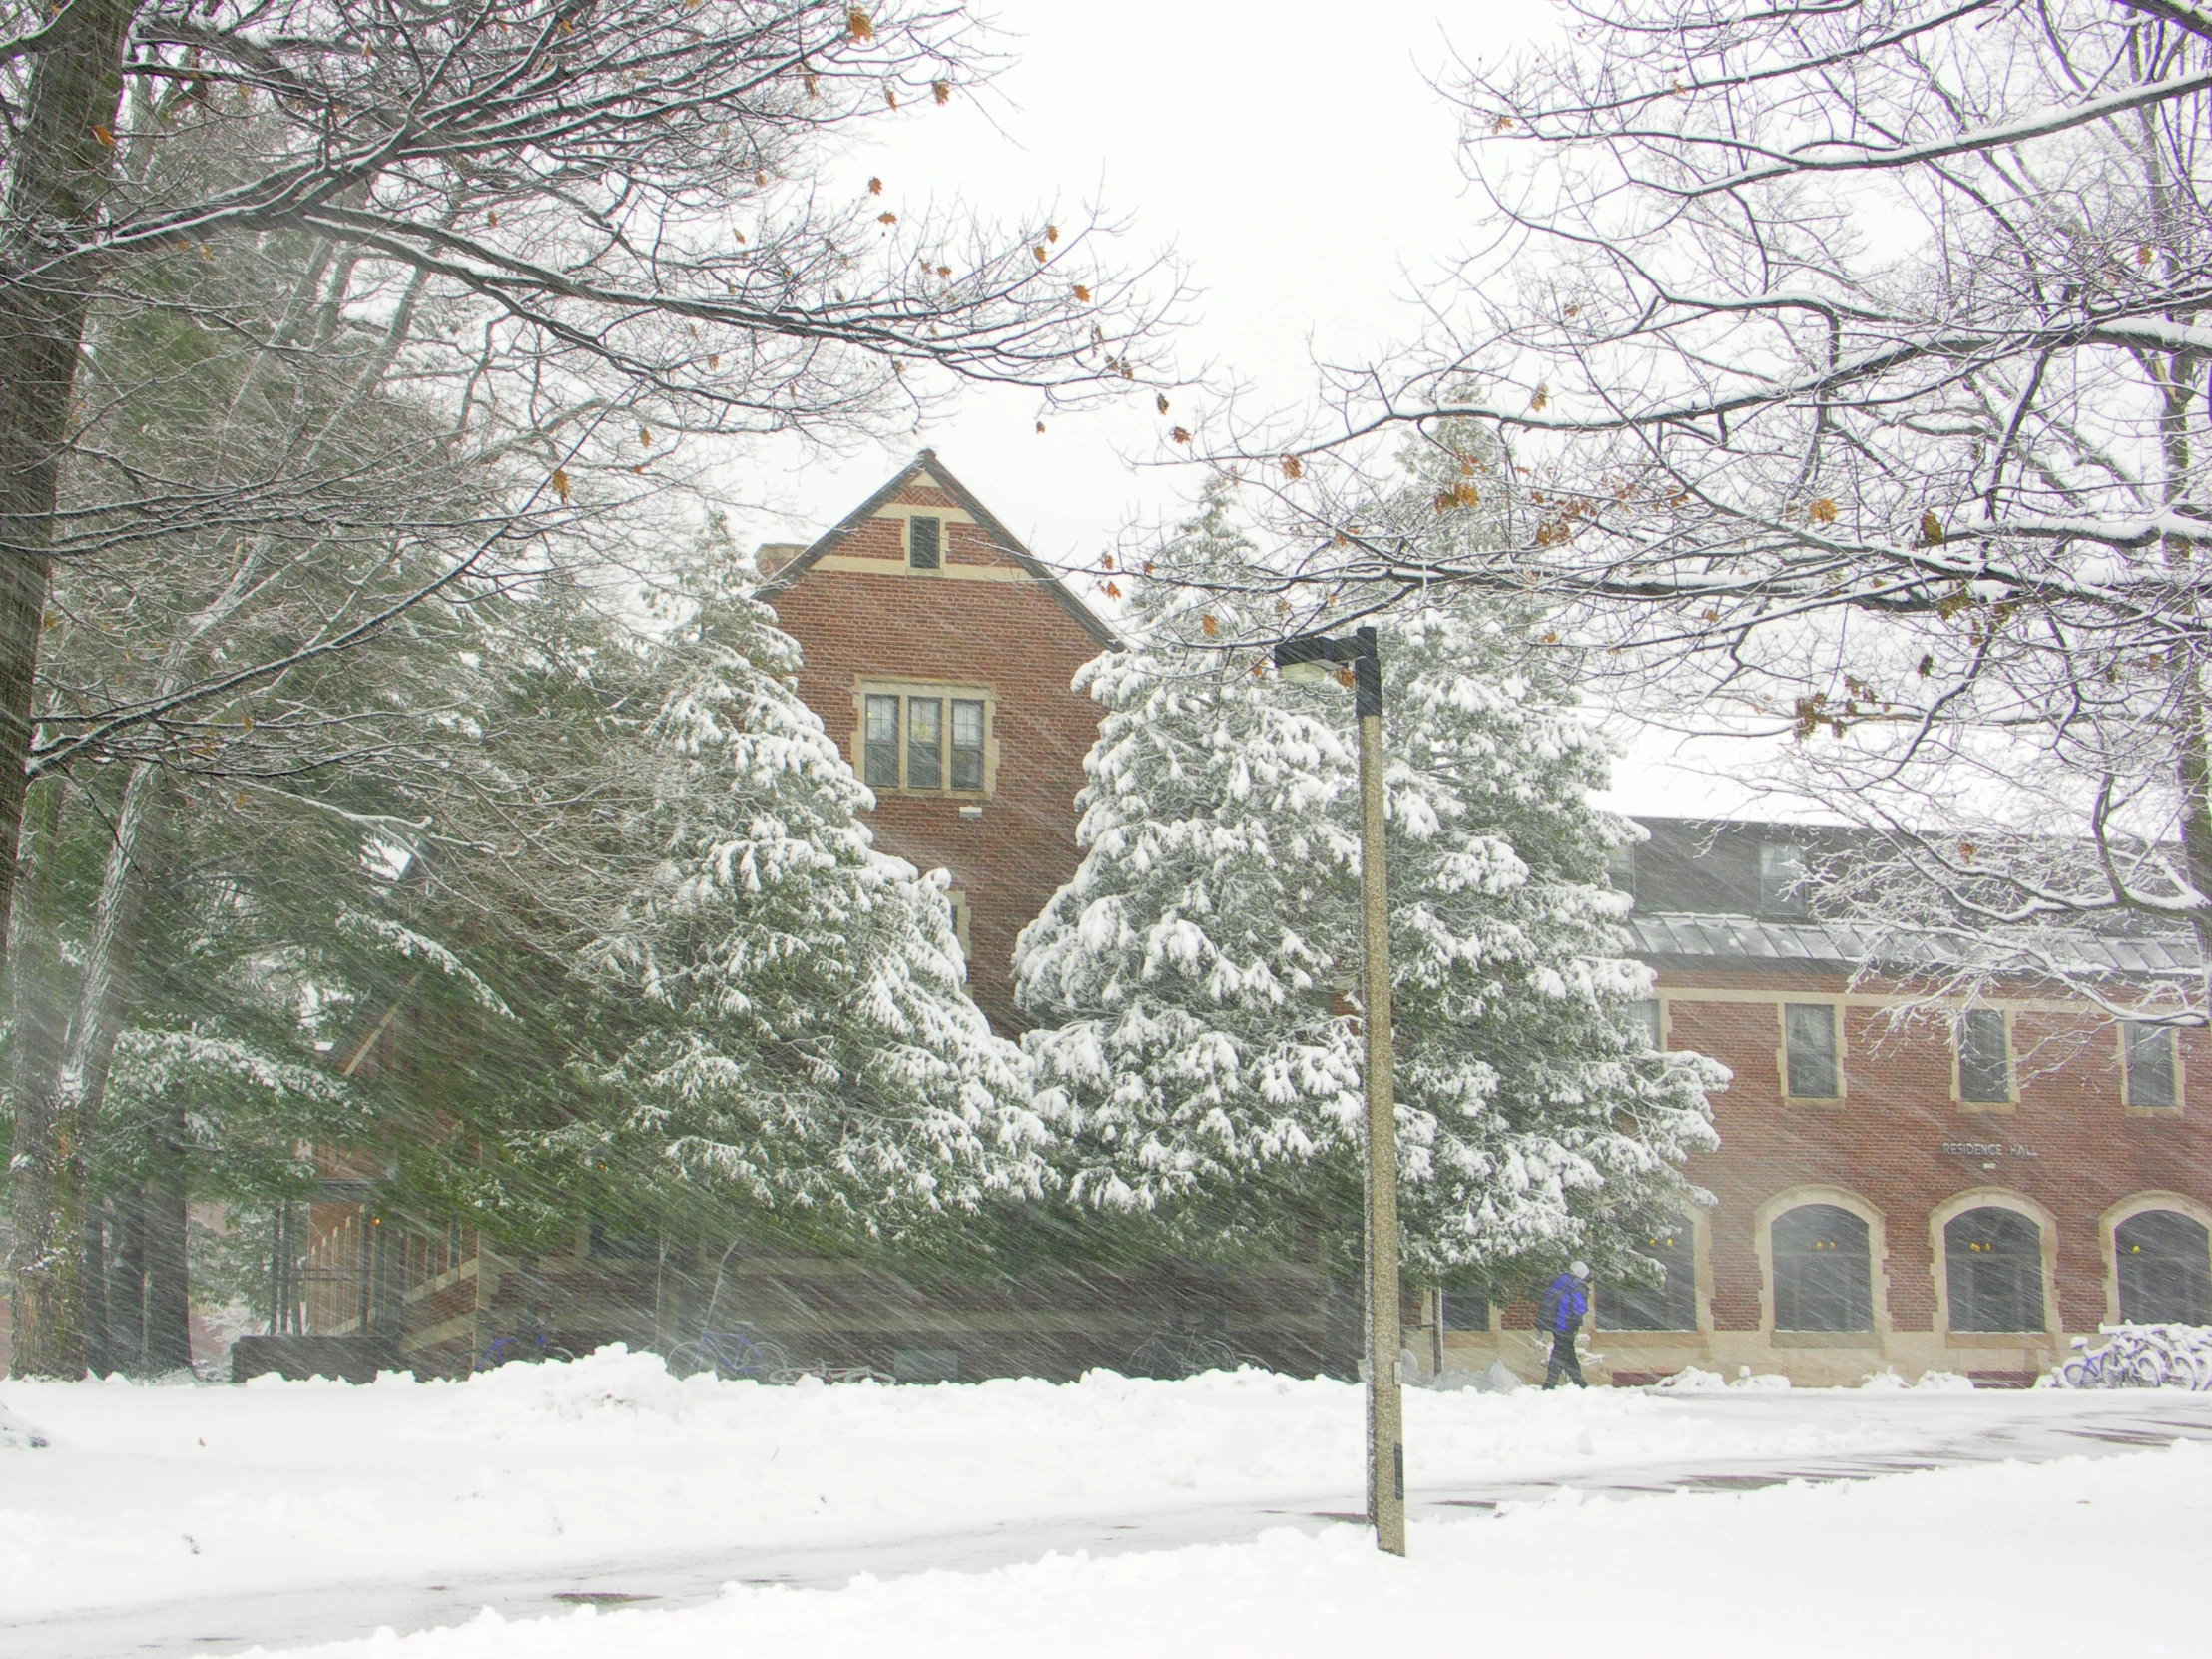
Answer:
(924, 537)
(1781, 880)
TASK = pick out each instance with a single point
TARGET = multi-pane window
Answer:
(1621, 869)
(1670, 1305)
(967, 744)
(925, 743)
(1644, 1017)
(924, 543)
(1985, 1057)
(883, 743)
(1823, 1270)
(1808, 1051)
(2150, 1064)
(1781, 880)
(1993, 1266)
(2165, 1263)
(1464, 1310)
(924, 740)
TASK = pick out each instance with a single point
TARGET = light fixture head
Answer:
(1309, 660)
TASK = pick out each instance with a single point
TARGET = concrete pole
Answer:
(1386, 1405)
(1306, 659)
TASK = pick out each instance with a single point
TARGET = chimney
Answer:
(773, 556)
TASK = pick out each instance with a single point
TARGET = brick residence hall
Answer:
(1961, 1196)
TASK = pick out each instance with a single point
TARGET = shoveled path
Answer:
(300, 1615)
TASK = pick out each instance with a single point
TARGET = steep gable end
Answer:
(882, 535)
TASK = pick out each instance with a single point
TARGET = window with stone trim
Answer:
(1823, 1270)
(924, 543)
(926, 740)
(1993, 1269)
(2164, 1260)
(1809, 1068)
(1466, 1310)
(962, 923)
(2148, 1053)
(1646, 1016)
(1670, 1305)
(1985, 1057)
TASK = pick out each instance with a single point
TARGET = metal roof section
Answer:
(1001, 538)
(1837, 947)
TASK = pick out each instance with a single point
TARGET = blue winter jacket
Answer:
(1565, 1301)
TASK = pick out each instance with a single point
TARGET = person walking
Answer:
(1564, 1303)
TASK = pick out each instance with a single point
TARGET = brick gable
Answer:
(993, 621)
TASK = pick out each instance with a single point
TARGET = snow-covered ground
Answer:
(1959, 1563)
(178, 1505)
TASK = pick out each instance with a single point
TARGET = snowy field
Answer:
(171, 1503)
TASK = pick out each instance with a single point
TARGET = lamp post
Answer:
(1313, 658)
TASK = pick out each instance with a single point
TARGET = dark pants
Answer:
(1563, 1360)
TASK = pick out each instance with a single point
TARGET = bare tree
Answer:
(615, 208)
(1846, 366)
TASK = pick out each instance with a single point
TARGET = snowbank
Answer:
(1960, 1562)
(18, 1435)
(150, 1493)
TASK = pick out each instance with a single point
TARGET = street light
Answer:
(1314, 658)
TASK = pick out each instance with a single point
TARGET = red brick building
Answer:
(1959, 1193)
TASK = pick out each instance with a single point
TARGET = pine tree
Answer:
(804, 1038)
(1202, 1053)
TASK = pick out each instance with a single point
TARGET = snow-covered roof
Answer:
(1742, 941)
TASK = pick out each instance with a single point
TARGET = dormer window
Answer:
(1781, 880)
(924, 543)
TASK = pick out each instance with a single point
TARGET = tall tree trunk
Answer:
(99, 1360)
(60, 161)
(43, 1258)
(103, 994)
(127, 1285)
(58, 1110)
(167, 1283)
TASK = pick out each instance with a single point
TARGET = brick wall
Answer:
(2070, 1145)
(1904, 1147)
(982, 621)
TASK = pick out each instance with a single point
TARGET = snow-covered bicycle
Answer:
(2142, 1357)
(1174, 1354)
(733, 1356)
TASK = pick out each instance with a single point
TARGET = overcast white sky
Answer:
(1297, 160)
(1292, 155)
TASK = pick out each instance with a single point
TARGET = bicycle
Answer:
(2142, 1356)
(519, 1350)
(731, 1356)
(788, 1375)
(1168, 1355)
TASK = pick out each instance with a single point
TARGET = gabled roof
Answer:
(1001, 538)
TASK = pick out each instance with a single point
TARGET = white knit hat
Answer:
(1581, 1270)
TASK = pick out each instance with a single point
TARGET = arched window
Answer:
(1670, 1305)
(1994, 1265)
(1823, 1275)
(2166, 1262)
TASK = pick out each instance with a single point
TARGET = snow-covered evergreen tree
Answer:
(1197, 1051)
(808, 1040)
